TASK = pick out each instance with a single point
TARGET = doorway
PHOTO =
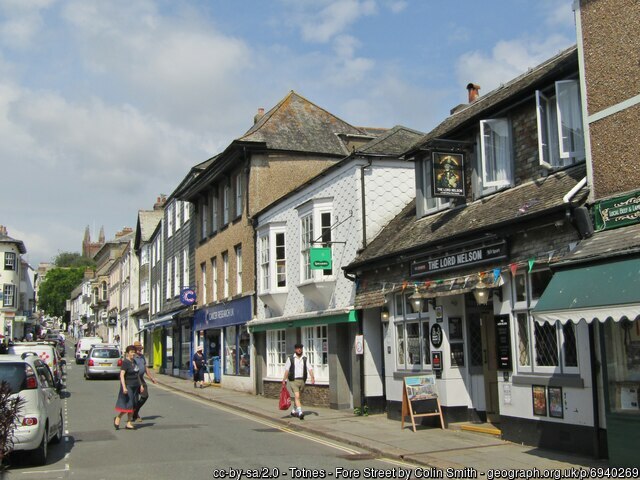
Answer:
(490, 366)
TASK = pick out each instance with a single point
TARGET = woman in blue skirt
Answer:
(130, 388)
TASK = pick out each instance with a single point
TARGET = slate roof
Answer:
(296, 124)
(393, 142)
(565, 62)
(148, 220)
(524, 202)
(19, 243)
(605, 244)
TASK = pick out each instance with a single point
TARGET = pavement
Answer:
(382, 437)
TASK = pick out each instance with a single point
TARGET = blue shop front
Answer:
(222, 330)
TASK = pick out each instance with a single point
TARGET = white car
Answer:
(83, 346)
(40, 418)
(46, 351)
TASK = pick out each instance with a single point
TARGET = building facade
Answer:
(14, 281)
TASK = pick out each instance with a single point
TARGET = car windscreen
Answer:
(13, 374)
(105, 353)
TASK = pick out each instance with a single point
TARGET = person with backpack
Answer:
(296, 370)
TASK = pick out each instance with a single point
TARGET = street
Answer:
(180, 437)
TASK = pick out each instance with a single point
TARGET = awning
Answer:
(305, 320)
(607, 291)
(163, 321)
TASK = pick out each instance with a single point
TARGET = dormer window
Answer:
(560, 133)
(495, 153)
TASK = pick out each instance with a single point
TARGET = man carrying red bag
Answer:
(295, 371)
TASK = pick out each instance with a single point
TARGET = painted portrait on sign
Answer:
(448, 175)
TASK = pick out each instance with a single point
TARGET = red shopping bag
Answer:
(285, 398)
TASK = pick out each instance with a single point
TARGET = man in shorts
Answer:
(296, 370)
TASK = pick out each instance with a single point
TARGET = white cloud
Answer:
(558, 14)
(21, 22)
(507, 60)
(334, 18)
(396, 6)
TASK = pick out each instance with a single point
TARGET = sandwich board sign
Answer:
(420, 399)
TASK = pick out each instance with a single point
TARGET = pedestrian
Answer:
(144, 369)
(130, 387)
(199, 366)
(296, 370)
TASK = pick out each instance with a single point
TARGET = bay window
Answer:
(271, 255)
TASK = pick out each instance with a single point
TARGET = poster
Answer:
(555, 402)
(422, 387)
(539, 396)
(359, 344)
(628, 398)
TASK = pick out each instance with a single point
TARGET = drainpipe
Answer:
(364, 205)
(571, 193)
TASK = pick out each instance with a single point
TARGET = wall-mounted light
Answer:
(418, 304)
(481, 295)
(384, 314)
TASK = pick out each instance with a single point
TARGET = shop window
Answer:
(230, 352)
(244, 353)
(185, 347)
(400, 344)
(622, 350)
(413, 348)
(569, 346)
(414, 359)
(523, 340)
(9, 261)
(546, 340)
(276, 353)
(237, 351)
(316, 348)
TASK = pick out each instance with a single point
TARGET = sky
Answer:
(106, 104)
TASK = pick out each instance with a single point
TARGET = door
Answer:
(490, 367)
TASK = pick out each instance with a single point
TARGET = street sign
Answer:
(320, 259)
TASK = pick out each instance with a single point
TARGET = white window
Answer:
(185, 268)
(306, 237)
(225, 275)
(176, 276)
(276, 353)
(144, 291)
(272, 257)
(412, 335)
(238, 250)
(9, 292)
(316, 349)
(496, 162)
(239, 195)
(203, 276)
(560, 135)
(153, 254)
(168, 277)
(265, 282)
(214, 211)
(426, 203)
(170, 220)
(9, 261)
(187, 210)
(204, 218)
(177, 208)
(214, 279)
(226, 193)
(144, 255)
(541, 348)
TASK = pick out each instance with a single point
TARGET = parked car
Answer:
(83, 346)
(46, 351)
(104, 360)
(56, 339)
(40, 418)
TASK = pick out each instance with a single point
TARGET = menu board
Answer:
(503, 343)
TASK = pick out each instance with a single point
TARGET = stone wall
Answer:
(313, 395)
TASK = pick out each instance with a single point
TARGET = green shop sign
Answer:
(320, 258)
(617, 212)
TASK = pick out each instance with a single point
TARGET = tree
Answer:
(74, 260)
(56, 289)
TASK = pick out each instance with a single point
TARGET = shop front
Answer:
(222, 330)
(328, 340)
(599, 286)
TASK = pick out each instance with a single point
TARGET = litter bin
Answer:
(216, 369)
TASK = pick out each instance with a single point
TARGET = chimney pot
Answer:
(258, 115)
(474, 92)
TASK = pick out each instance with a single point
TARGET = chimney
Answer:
(474, 92)
(162, 199)
(258, 115)
(3, 230)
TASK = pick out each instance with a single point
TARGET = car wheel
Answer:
(59, 432)
(39, 455)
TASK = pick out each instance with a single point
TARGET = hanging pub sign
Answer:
(448, 174)
(462, 258)
(320, 258)
(617, 212)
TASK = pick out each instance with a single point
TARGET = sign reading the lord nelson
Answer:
(472, 256)
(448, 174)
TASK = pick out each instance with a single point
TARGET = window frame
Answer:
(310, 213)
(508, 168)
(238, 253)
(225, 274)
(315, 339)
(9, 295)
(238, 195)
(226, 204)
(170, 220)
(10, 261)
(276, 353)
(424, 190)
(214, 279)
(204, 219)
(176, 275)
(203, 281)
(271, 267)
(404, 315)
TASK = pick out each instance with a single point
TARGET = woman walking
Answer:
(199, 367)
(130, 388)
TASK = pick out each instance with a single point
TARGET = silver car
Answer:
(103, 360)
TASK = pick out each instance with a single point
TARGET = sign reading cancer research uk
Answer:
(464, 258)
(320, 258)
(617, 212)
(448, 174)
(187, 296)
